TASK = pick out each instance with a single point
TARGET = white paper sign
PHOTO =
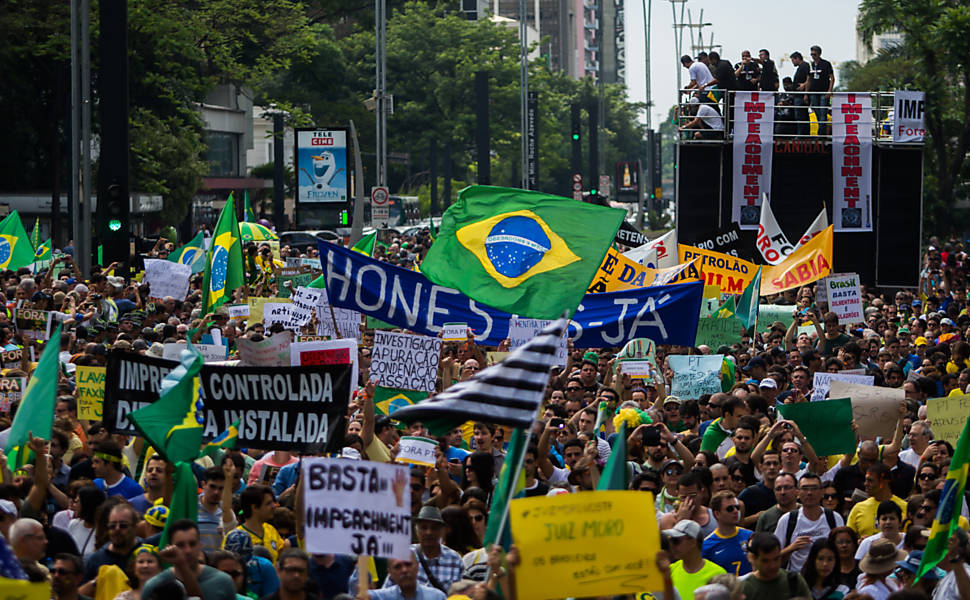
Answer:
(405, 361)
(909, 116)
(636, 369)
(454, 332)
(273, 351)
(416, 451)
(522, 330)
(285, 314)
(237, 310)
(209, 352)
(348, 321)
(344, 500)
(333, 352)
(845, 297)
(167, 278)
(305, 301)
(821, 383)
(875, 409)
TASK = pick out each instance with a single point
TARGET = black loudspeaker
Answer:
(899, 216)
(699, 175)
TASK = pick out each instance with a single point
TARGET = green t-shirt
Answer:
(686, 583)
(779, 587)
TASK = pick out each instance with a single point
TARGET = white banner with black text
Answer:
(851, 162)
(754, 124)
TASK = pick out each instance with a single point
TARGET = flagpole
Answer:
(519, 462)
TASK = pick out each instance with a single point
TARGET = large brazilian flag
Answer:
(524, 252)
(224, 263)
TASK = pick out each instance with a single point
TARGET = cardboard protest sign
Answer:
(36, 323)
(714, 332)
(11, 390)
(273, 351)
(356, 507)
(875, 409)
(405, 361)
(209, 352)
(132, 381)
(167, 278)
(695, 375)
(256, 306)
(415, 450)
(845, 298)
(947, 416)
(827, 424)
(286, 315)
(494, 358)
(288, 279)
(299, 409)
(90, 388)
(822, 381)
(522, 330)
(11, 359)
(637, 369)
(731, 273)
(454, 332)
(586, 544)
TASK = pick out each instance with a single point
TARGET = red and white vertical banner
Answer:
(754, 125)
(851, 162)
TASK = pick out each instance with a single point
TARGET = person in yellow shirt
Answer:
(862, 517)
(691, 570)
(257, 503)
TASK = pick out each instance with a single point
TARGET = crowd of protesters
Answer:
(746, 506)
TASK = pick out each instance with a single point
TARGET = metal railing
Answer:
(797, 115)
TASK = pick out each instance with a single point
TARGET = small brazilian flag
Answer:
(192, 254)
(43, 252)
(15, 248)
(388, 400)
(524, 252)
(224, 441)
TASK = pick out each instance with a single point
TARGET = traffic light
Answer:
(345, 218)
(575, 139)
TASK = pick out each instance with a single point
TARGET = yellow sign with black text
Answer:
(586, 544)
(809, 263)
(730, 273)
(618, 273)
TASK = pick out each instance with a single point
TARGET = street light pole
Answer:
(381, 91)
(523, 97)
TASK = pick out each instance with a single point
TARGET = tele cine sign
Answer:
(321, 141)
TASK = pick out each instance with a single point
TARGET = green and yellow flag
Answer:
(172, 423)
(15, 248)
(224, 264)
(248, 215)
(523, 252)
(36, 413)
(35, 234)
(387, 400)
(192, 254)
(614, 475)
(951, 501)
(365, 245)
(43, 252)
(511, 484)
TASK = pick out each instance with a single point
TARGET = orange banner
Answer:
(809, 263)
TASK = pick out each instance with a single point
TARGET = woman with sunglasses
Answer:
(831, 499)
(929, 475)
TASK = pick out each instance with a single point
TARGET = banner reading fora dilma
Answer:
(322, 173)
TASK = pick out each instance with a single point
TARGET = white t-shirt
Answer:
(879, 590)
(910, 457)
(947, 588)
(865, 543)
(709, 116)
(700, 73)
(804, 526)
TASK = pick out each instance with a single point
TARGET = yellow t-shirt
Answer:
(686, 583)
(377, 451)
(862, 517)
(270, 539)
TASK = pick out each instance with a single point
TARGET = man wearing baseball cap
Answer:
(691, 570)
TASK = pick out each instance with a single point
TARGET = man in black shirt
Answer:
(821, 79)
(747, 73)
(724, 79)
(800, 81)
(769, 74)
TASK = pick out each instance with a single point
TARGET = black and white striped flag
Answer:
(508, 393)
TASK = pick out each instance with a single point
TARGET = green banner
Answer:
(827, 424)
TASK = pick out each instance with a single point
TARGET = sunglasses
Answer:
(790, 450)
(927, 476)
(573, 389)
(673, 472)
(830, 496)
(478, 518)
(732, 508)
(60, 571)
(737, 478)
